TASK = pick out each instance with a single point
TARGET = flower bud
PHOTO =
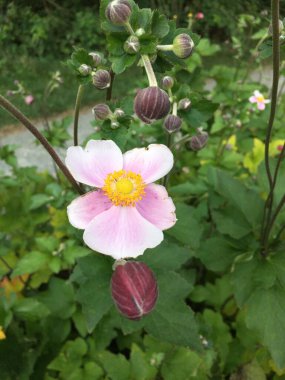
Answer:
(115, 125)
(132, 45)
(183, 45)
(140, 32)
(280, 26)
(134, 289)
(101, 111)
(29, 99)
(118, 11)
(199, 16)
(97, 58)
(119, 112)
(84, 69)
(184, 104)
(167, 82)
(151, 104)
(199, 141)
(172, 123)
(101, 79)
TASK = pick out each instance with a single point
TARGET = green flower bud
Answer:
(140, 32)
(101, 79)
(183, 45)
(101, 112)
(167, 82)
(118, 11)
(84, 70)
(132, 45)
(119, 112)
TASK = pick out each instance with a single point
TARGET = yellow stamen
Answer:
(260, 99)
(124, 188)
(2, 334)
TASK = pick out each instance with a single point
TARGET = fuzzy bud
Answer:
(151, 104)
(101, 79)
(184, 104)
(84, 69)
(183, 45)
(172, 123)
(101, 111)
(167, 82)
(119, 112)
(118, 11)
(97, 58)
(134, 289)
(199, 141)
(132, 45)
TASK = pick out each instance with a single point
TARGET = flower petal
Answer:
(121, 232)
(92, 164)
(151, 163)
(252, 99)
(257, 93)
(261, 106)
(157, 207)
(83, 209)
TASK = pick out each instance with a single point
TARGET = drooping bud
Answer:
(167, 82)
(101, 79)
(101, 111)
(119, 112)
(84, 69)
(118, 11)
(97, 58)
(134, 289)
(184, 104)
(151, 104)
(132, 45)
(199, 141)
(183, 45)
(172, 123)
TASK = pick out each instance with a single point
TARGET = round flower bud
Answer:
(115, 125)
(119, 112)
(183, 45)
(184, 104)
(97, 58)
(280, 26)
(199, 16)
(132, 45)
(118, 11)
(101, 79)
(151, 104)
(101, 111)
(134, 289)
(172, 123)
(84, 69)
(140, 32)
(167, 82)
(199, 141)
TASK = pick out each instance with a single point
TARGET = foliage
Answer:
(220, 313)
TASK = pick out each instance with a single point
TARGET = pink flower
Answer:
(128, 213)
(259, 99)
(199, 16)
(29, 99)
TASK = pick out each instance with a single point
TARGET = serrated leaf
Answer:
(119, 64)
(30, 263)
(116, 366)
(159, 25)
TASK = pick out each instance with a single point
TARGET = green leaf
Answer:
(30, 309)
(187, 229)
(141, 367)
(119, 64)
(39, 200)
(93, 273)
(30, 263)
(116, 366)
(159, 25)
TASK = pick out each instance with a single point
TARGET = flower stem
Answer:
(76, 113)
(110, 88)
(26, 122)
(164, 47)
(267, 221)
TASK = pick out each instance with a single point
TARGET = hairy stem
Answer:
(17, 114)
(76, 113)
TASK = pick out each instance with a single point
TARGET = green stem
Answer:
(164, 47)
(266, 226)
(17, 114)
(76, 113)
(181, 141)
(168, 144)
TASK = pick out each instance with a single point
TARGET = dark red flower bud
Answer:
(101, 111)
(172, 123)
(118, 11)
(167, 82)
(101, 79)
(134, 289)
(199, 141)
(151, 104)
(183, 45)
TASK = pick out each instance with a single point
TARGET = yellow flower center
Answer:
(124, 188)
(260, 98)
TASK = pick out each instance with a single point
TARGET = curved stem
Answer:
(76, 113)
(26, 122)
(149, 70)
